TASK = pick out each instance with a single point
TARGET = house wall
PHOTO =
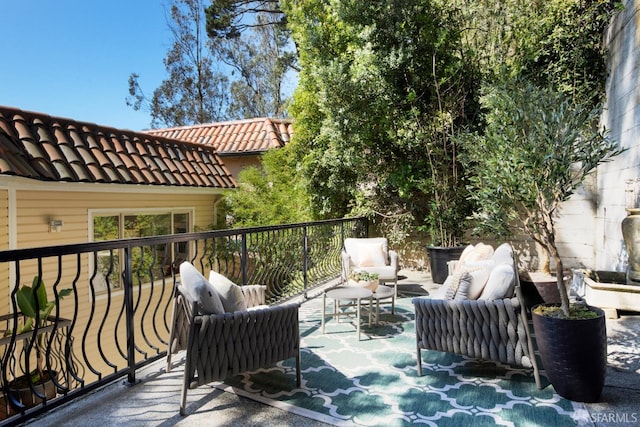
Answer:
(29, 206)
(4, 239)
(236, 163)
(34, 204)
(588, 227)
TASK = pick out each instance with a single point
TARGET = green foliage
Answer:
(559, 44)
(383, 87)
(537, 147)
(36, 309)
(364, 276)
(273, 194)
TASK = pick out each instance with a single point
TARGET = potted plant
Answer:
(364, 279)
(537, 148)
(35, 308)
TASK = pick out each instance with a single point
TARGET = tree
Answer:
(230, 18)
(383, 87)
(262, 63)
(273, 194)
(194, 92)
(240, 70)
(536, 149)
(252, 39)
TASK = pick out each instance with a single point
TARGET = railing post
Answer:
(128, 304)
(243, 259)
(305, 246)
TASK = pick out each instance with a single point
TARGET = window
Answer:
(147, 262)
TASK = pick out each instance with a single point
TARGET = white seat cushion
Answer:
(230, 294)
(200, 290)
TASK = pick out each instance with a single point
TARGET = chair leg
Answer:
(395, 295)
(419, 353)
(185, 386)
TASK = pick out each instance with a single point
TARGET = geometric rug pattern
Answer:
(374, 381)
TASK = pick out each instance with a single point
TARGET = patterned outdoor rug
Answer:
(374, 381)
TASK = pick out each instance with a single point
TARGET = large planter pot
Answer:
(541, 287)
(574, 354)
(631, 236)
(439, 256)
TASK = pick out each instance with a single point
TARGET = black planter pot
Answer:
(574, 354)
(439, 256)
(22, 391)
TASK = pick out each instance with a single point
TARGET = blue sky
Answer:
(72, 58)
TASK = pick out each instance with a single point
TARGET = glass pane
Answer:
(147, 225)
(108, 262)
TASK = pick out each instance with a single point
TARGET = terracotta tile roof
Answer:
(34, 145)
(234, 137)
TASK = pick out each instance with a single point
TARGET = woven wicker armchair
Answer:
(222, 345)
(493, 330)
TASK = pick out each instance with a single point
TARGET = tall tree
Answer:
(261, 61)
(194, 92)
(273, 194)
(252, 39)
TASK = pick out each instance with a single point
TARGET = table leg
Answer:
(324, 307)
(358, 316)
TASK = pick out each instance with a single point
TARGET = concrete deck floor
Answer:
(154, 401)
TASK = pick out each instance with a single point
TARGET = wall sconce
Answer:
(55, 225)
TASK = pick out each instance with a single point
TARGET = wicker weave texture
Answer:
(482, 329)
(231, 343)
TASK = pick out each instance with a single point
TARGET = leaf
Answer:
(26, 302)
(41, 292)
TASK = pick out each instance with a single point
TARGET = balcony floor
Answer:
(155, 400)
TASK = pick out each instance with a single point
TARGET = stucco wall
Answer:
(588, 228)
(622, 118)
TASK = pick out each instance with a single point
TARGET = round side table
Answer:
(346, 293)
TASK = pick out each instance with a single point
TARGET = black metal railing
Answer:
(113, 301)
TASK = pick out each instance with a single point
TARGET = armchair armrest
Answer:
(393, 260)
(346, 265)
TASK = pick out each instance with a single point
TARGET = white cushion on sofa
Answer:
(200, 290)
(230, 294)
(503, 254)
(500, 284)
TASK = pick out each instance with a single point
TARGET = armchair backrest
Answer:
(373, 251)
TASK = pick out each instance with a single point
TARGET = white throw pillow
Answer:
(479, 272)
(500, 284)
(230, 294)
(200, 290)
(371, 255)
(503, 254)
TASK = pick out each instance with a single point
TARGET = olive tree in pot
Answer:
(36, 309)
(536, 150)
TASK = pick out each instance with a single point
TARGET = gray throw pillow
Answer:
(200, 290)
